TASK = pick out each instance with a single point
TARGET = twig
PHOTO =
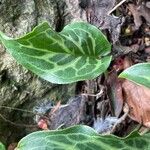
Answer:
(144, 131)
(98, 95)
(60, 126)
(119, 4)
(23, 110)
(126, 112)
(16, 124)
(55, 108)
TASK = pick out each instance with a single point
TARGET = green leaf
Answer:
(82, 138)
(2, 146)
(139, 73)
(77, 53)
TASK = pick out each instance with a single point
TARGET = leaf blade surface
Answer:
(81, 138)
(77, 53)
(2, 147)
(139, 73)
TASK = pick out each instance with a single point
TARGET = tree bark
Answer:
(19, 88)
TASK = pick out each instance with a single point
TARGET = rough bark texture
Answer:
(18, 86)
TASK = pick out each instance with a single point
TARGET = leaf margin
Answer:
(53, 80)
(127, 74)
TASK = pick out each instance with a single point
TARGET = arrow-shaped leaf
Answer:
(139, 73)
(82, 138)
(77, 53)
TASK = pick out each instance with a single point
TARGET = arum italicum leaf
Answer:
(82, 138)
(139, 73)
(2, 146)
(76, 53)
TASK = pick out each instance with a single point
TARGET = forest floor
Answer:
(110, 104)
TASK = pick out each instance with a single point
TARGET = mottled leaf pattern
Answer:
(77, 53)
(82, 138)
(139, 73)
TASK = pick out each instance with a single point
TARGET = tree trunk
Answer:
(19, 88)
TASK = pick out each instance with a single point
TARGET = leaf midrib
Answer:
(49, 52)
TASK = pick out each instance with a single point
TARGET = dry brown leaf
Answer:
(147, 50)
(99, 17)
(74, 112)
(138, 12)
(115, 93)
(12, 146)
(138, 99)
